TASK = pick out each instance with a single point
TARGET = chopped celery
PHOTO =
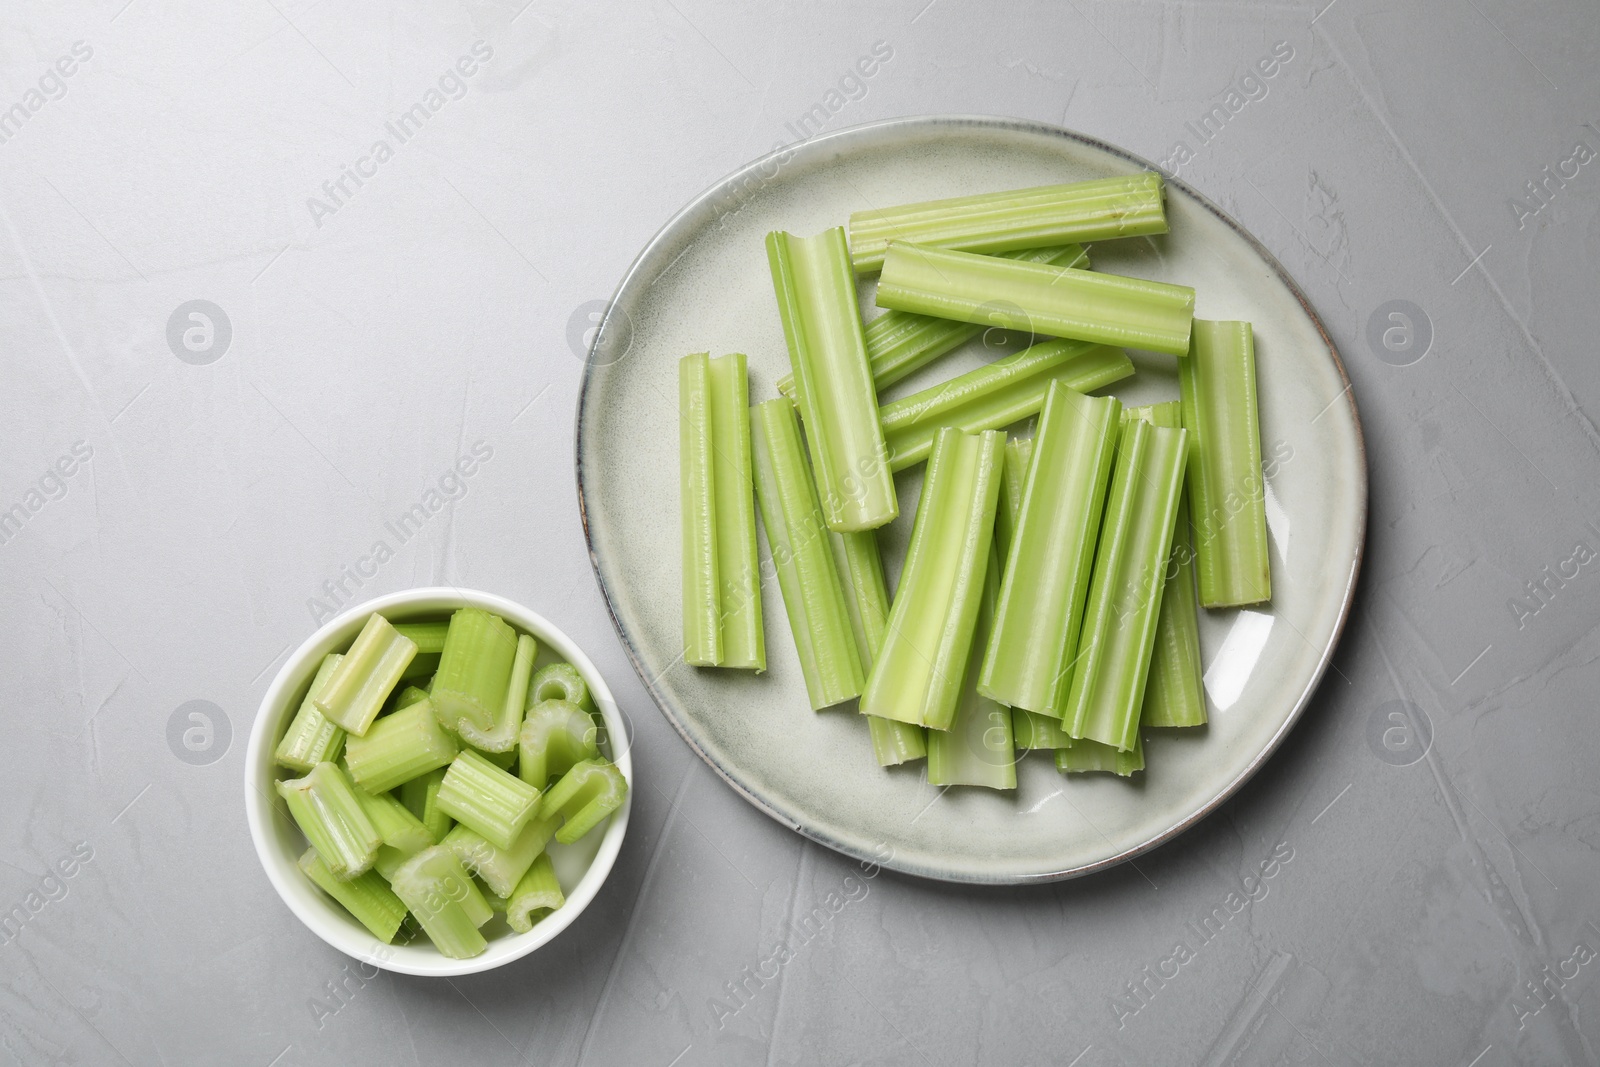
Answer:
(394, 822)
(1018, 451)
(1095, 210)
(409, 696)
(1055, 301)
(390, 858)
(367, 897)
(312, 738)
(536, 895)
(816, 293)
(996, 395)
(1028, 662)
(555, 735)
(362, 681)
(813, 597)
(421, 796)
(1032, 730)
(918, 673)
(1124, 602)
(325, 807)
(559, 681)
(1093, 756)
(586, 794)
(427, 636)
(501, 738)
(399, 747)
(1226, 492)
(481, 796)
(500, 868)
(421, 668)
(702, 587)
(474, 670)
(977, 749)
(445, 900)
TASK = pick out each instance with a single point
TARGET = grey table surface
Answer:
(1432, 824)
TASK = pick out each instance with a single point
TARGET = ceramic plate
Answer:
(702, 283)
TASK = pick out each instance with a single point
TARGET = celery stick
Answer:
(738, 571)
(702, 588)
(1226, 492)
(555, 735)
(420, 795)
(501, 737)
(481, 796)
(1055, 301)
(1093, 756)
(813, 597)
(390, 858)
(445, 900)
(977, 749)
(421, 668)
(917, 675)
(500, 868)
(362, 681)
(1028, 662)
(1095, 210)
(367, 897)
(586, 794)
(427, 636)
(559, 681)
(536, 895)
(394, 822)
(474, 670)
(408, 696)
(400, 746)
(1124, 602)
(325, 807)
(817, 302)
(311, 737)
(1032, 730)
(996, 395)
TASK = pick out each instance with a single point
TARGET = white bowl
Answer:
(582, 866)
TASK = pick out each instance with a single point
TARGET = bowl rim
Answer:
(318, 912)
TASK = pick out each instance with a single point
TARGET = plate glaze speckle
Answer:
(702, 283)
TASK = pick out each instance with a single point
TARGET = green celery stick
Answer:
(312, 738)
(702, 585)
(500, 868)
(977, 749)
(556, 735)
(362, 681)
(586, 794)
(409, 696)
(536, 895)
(420, 795)
(427, 636)
(996, 395)
(917, 675)
(1055, 301)
(325, 807)
(813, 597)
(390, 858)
(1032, 730)
(559, 681)
(421, 668)
(439, 892)
(1028, 662)
(367, 897)
(1085, 756)
(474, 670)
(1095, 210)
(1226, 492)
(501, 738)
(738, 571)
(816, 292)
(394, 822)
(1018, 451)
(400, 746)
(481, 796)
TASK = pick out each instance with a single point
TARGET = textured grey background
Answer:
(1437, 905)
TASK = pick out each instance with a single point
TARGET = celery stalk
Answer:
(555, 735)
(1032, 730)
(362, 681)
(439, 892)
(501, 738)
(400, 746)
(1028, 662)
(918, 673)
(408, 696)
(367, 897)
(325, 807)
(1226, 491)
(500, 868)
(536, 895)
(1085, 756)
(816, 293)
(421, 796)
(813, 597)
(312, 738)
(398, 828)
(421, 668)
(1095, 210)
(559, 681)
(1055, 301)
(481, 796)
(474, 670)
(427, 636)
(586, 794)
(977, 749)
(1019, 450)
(996, 395)
(702, 585)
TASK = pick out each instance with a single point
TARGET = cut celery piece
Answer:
(394, 822)
(559, 681)
(400, 746)
(977, 749)
(702, 585)
(420, 795)
(367, 897)
(390, 858)
(1227, 495)
(439, 892)
(816, 292)
(813, 596)
(996, 395)
(1028, 662)
(364, 678)
(325, 807)
(481, 796)
(421, 668)
(1086, 756)
(1032, 730)
(312, 738)
(474, 670)
(408, 696)
(555, 735)
(1095, 210)
(427, 636)
(1130, 574)
(1015, 474)
(918, 674)
(586, 794)
(536, 895)
(1055, 301)
(501, 737)
(499, 868)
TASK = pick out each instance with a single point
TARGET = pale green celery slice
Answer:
(1055, 301)
(390, 858)
(394, 822)
(400, 746)
(816, 292)
(1095, 210)
(485, 798)
(536, 895)
(367, 897)
(364, 678)
(1032, 730)
(1019, 450)
(1130, 574)
(408, 696)
(1085, 756)
(1028, 662)
(474, 669)
(1227, 496)
(977, 749)
(421, 668)
(559, 681)
(427, 636)
(738, 570)
(420, 795)
(500, 868)
(325, 807)
(555, 735)
(586, 794)
(702, 587)
(312, 738)
(501, 738)
(900, 342)
(813, 597)
(439, 892)
(996, 395)
(918, 673)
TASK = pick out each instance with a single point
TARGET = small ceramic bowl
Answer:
(581, 867)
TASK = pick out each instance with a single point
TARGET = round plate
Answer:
(703, 283)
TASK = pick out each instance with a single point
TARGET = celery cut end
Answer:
(584, 797)
(364, 678)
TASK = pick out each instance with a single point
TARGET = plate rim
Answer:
(821, 143)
